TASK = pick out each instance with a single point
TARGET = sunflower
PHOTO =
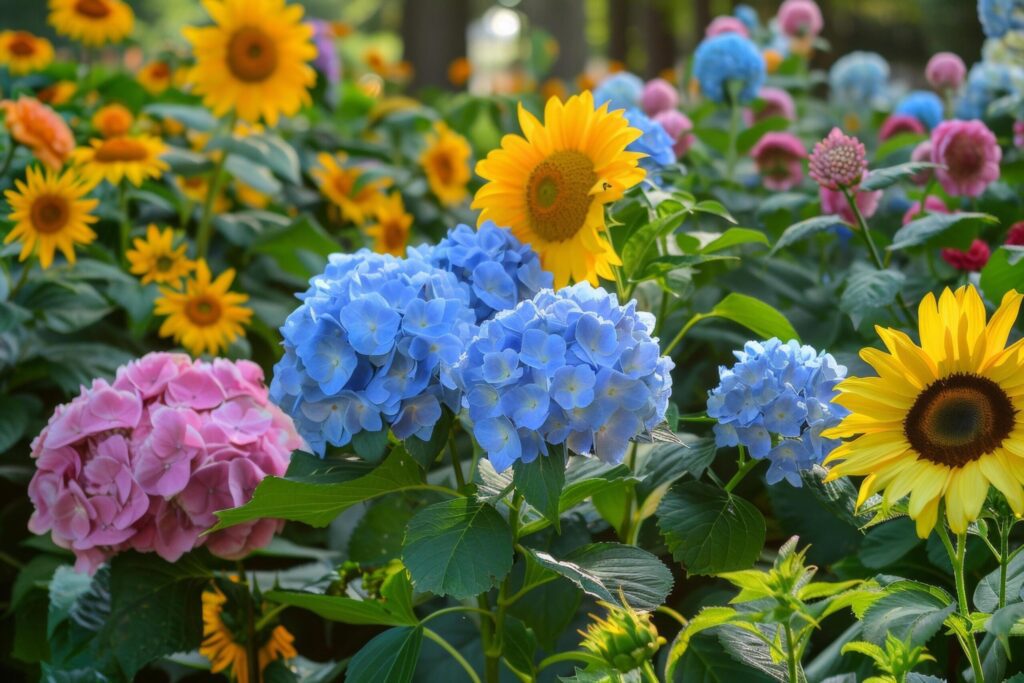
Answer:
(49, 213)
(446, 163)
(134, 157)
(942, 420)
(391, 231)
(195, 188)
(23, 53)
(155, 77)
(92, 22)
(254, 60)
(346, 188)
(113, 120)
(57, 93)
(226, 650)
(204, 316)
(250, 196)
(550, 187)
(156, 259)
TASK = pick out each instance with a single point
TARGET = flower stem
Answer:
(206, 220)
(744, 470)
(735, 114)
(1004, 557)
(460, 480)
(957, 557)
(9, 156)
(126, 220)
(791, 654)
(447, 647)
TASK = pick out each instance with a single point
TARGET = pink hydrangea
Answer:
(800, 18)
(900, 123)
(776, 103)
(932, 204)
(659, 95)
(779, 158)
(1018, 134)
(1015, 235)
(945, 71)
(834, 203)
(923, 152)
(968, 157)
(143, 463)
(726, 24)
(678, 127)
(970, 261)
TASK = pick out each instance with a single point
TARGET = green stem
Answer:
(126, 220)
(206, 220)
(791, 654)
(22, 279)
(460, 481)
(664, 609)
(491, 670)
(735, 116)
(575, 656)
(8, 157)
(648, 672)
(1004, 558)
(631, 524)
(458, 608)
(251, 652)
(745, 467)
(447, 647)
(682, 333)
(957, 557)
(265, 620)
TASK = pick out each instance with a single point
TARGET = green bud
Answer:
(625, 639)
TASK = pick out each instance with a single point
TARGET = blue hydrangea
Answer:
(655, 142)
(987, 81)
(570, 367)
(748, 15)
(923, 105)
(728, 58)
(621, 90)
(372, 345)
(499, 270)
(859, 78)
(999, 17)
(776, 401)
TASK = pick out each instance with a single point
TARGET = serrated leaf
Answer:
(986, 593)
(714, 208)
(888, 542)
(343, 609)
(300, 248)
(936, 229)
(881, 178)
(541, 482)
(804, 229)
(1003, 272)
(869, 289)
(1005, 622)
(909, 614)
(390, 656)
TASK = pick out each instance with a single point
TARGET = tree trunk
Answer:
(434, 34)
(661, 44)
(565, 21)
(618, 23)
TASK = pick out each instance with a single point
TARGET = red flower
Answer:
(1015, 235)
(972, 260)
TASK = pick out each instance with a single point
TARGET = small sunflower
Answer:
(155, 77)
(226, 650)
(943, 419)
(156, 259)
(113, 120)
(446, 163)
(255, 60)
(550, 186)
(204, 317)
(58, 93)
(92, 22)
(134, 157)
(391, 231)
(23, 53)
(49, 213)
(345, 187)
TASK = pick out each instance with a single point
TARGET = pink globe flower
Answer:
(1018, 134)
(779, 159)
(923, 152)
(838, 161)
(776, 103)
(800, 18)
(659, 95)
(968, 157)
(945, 71)
(143, 463)
(834, 203)
(726, 24)
(898, 124)
(970, 261)
(678, 127)
(932, 204)
(1015, 235)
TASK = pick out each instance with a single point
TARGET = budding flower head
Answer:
(624, 638)
(839, 161)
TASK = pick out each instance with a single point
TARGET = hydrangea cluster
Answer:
(728, 58)
(144, 462)
(924, 106)
(655, 143)
(499, 270)
(659, 95)
(748, 15)
(986, 82)
(621, 90)
(776, 400)
(570, 367)
(726, 24)
(859, 78)
(678, 126)
(372, 345)
(1001, 16)
(799, 18)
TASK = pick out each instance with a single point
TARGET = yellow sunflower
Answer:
(551, 184)
(23, 53)
(156, 259)
(391, 231)
(942, 420)
(155, 77)
(446, 163)
(49, 213)
(226, 651)
(346, 188)
(250, 196)
(195, 189)
(92, 22)
(113, 120)
(114, 159)
(204, 317)
(254, 60)
(58, 93)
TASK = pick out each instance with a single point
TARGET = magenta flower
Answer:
(726, 24)
(923, 152)
(897, 124)
(1015, 235)
(779, 159)
(678, 127)
(800, 18)
(833, 202)
(659, 95)
(1018, 134)
(932, 204)
(777, 103)
(945, 71)
(968, 157)
(970, 261)
(838, 161)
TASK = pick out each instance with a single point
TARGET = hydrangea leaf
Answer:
(390, 656)
(541, 482)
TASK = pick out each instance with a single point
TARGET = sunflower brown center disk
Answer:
(120, 149)
(161, 70)
(958, 419)
(94, 9)
(444, 168)
(394, 235)
(203, 310)
(164, 263)
(558, 195)
(50, 214)
(22, 44)
(252, 55)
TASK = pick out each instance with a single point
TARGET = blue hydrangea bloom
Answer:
(725, 58)
(923, 105)
(987, 81)
(999, 17)
(748, 15)
(570, 367)
(655, 142)
(776, 400)
(858, 78)
(499, 270)
(621, 90)
(372, 345)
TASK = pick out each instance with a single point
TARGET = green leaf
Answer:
(194, 117)
(300, 248)
(457, 547)
(868, 289)
(377, 537)
(345, 610)
(12, 315)
(986, 594)
(66, 587)
(390, 656)
(613, 572)
(65, 306)
(709, 530)
(936, 229)
(1005, 622)
(253, 174)
(519, 646)
(754, 314)
(881, 178)
(908, 613)
(1003, 272)
(663, 265)
(371, 446)
(635, 250)
(707, 618)
(706, 661)
(715, 208)
(15, 413)
(888, 542)
(541, 482)
(804, 229)
(586, 477)
(734, 237)
(426, 452)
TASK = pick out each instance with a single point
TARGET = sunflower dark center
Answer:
(252, 54)
(444, 168)
(50, 213)
(94, 9)
(958, 419)
(160, 70)
(203, 310)
(121, 149)
(394, 235)
(558, 194)
(164, 263)
(23, 44)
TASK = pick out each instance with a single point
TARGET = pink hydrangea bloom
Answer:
(968, 155)
(834, 203)
(659, 95)
(933, 204)
(800, 18)
(945, 71)
(970, 261)
(726, 24)
(1015, 235)
(144, 462)
(900, 123)
(678, 127)
(779, 158)
(777, 102)
(923, 152)
(838, 161)
(1018, 134)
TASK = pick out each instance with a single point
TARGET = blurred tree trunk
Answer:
(434, 33)
(565, 21)
(618, 21)
(701, 19)
(661, 44)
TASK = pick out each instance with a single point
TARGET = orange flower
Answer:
(772, 60)
(57, 94)
(113, 120)
(553, 87)
(459, 71)
(39, 128)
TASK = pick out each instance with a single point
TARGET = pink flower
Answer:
(1015, 235)
(838, 161)
(779, 158)
(972, 260)
(659, 95)
(923, 152)
(1018, 134)
(933, 204)
(777, 103)
(678, 126)
(833, 202)
(900, 123)
(945, 71)
(800, 18)
(726, 24)
(968, 155)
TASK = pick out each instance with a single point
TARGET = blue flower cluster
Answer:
(923, 105)
(999, 17)
(783, 391)
(499, 270)
(987, 81)
(748, 15)
(728, 58)
(655, 142)
(859, 78)
(371, 344)
(570, 367)
(621, 90)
